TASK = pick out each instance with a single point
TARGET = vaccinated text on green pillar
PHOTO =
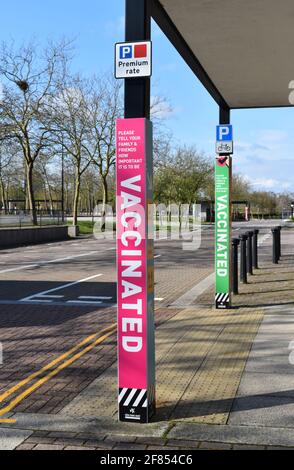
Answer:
(222, 224)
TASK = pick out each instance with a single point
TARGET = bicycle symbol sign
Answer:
(224, 139)
(224, 147)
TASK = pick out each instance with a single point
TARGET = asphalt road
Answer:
(58, 315)
(83, 272)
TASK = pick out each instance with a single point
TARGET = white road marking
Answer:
(81, 302)
(64, 286)
(157, 256)
(19, 268)
(51, 296)
(41, 263)
(60, 303)
(190, 297)
(92, 297)
(159, 299)
(68, 257)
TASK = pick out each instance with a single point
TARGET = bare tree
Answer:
(29, 80)
(68, 122)
(105, 108)
(83, 118)
(44, 167)
(7, 169)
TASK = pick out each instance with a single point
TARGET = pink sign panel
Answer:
(134, 268)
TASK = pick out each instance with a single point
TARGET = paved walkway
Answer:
(224, 379)
(198, 372)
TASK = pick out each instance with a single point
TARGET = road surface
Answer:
(58, 315)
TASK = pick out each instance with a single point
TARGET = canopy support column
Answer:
(137, 28)
(223, 223)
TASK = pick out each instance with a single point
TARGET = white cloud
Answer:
(268, 184)
(265, 183)
(269, 145)
(267, 136)
(266, 160)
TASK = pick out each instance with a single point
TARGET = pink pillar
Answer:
(135, 270)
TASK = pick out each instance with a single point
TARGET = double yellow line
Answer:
(61, 362)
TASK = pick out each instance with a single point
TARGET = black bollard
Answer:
(235, 243)
(255, 249)
(249, 252)
(275, 245)
(279, 241)
(243, 264)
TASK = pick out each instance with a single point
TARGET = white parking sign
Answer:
(224, 132)
(224, 139)
(133, 59)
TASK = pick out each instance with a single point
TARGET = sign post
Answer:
(224, 139)
(135, 270)
(133, 59)
(222, 232)
(223, 177)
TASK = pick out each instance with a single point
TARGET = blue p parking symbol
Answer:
(125, 52)
(224, 133)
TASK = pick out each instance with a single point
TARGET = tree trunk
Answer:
(45, 195)
(90, 203)
(76, 198)
(104, 202)
(7, 193)
(105, 193)
(49, 192)
(66, 197)
(180, 218)
(30, 193)
(4, 202)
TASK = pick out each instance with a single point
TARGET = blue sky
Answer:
(264, 139)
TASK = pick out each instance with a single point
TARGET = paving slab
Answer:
(87, 424)
(266, 393)
(257, 435)
(192, 295)
(200, 357)
(11, 438)
(270, 365)
(269, 384)
(217, 382)
(264, 410)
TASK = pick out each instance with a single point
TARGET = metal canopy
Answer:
(241, 50)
